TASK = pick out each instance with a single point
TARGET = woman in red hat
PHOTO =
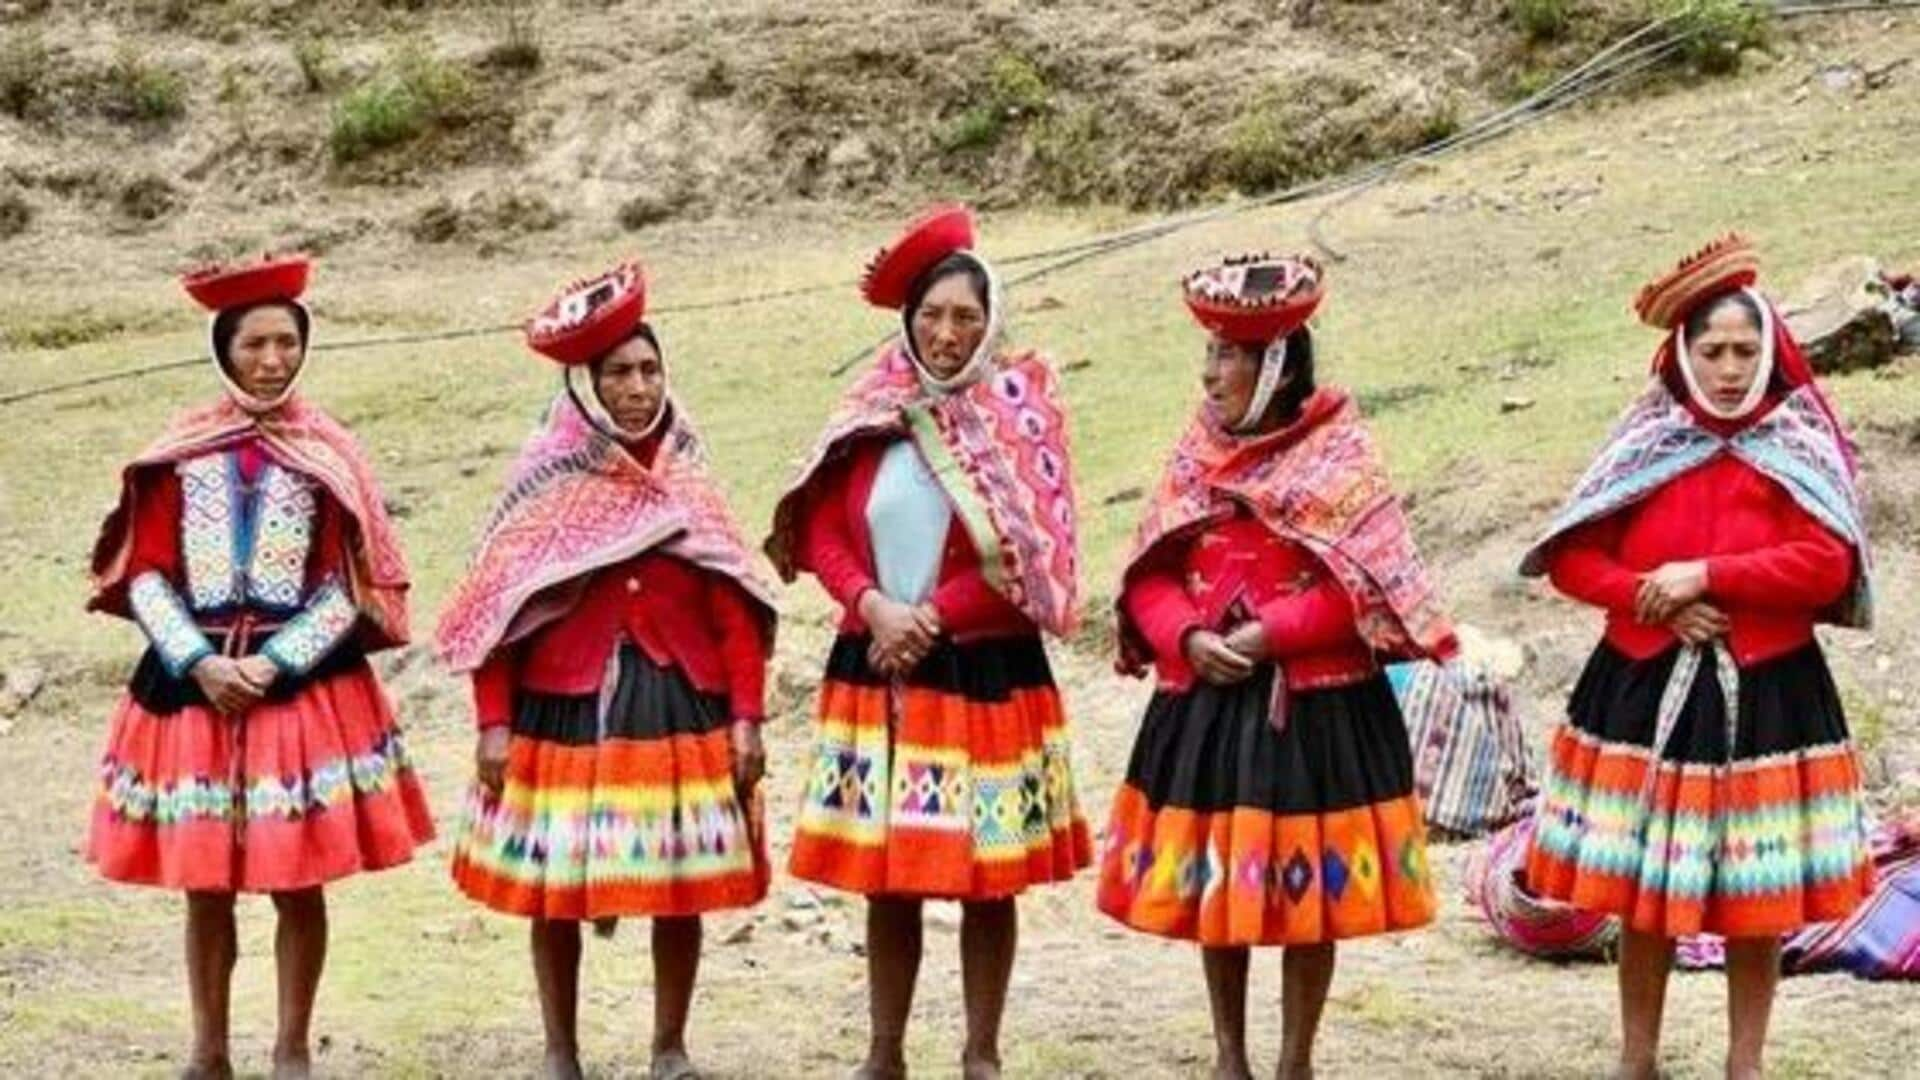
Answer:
(1269, 799)
(1703, 779)
(937, 510)
(254, 750)
(617, 630)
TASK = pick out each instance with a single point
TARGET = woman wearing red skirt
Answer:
(937, 510)
(1269, 800)
(1704, 779)
(254, 750)
(617, 632)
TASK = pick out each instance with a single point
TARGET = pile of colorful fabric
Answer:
(1472, 766)
(1880, 940)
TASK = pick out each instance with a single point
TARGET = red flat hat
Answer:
(589, 317)
(218, 287)
(1255, 298)
(933, 236)
(1726, 264)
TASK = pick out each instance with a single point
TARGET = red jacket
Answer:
(1770, 566)
(678, 614)
(835, 548)
(1235, 570)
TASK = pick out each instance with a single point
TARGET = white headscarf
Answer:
(586, 396)
(1273, 365)
(248, 403)
(1762, 375)
(976, 366)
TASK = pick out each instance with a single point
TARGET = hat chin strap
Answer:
(579, 382)
(257, 406)
(1762, 375)
(1273, 365)
(976, 365)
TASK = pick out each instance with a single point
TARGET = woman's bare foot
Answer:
(1231, 1069)
(208, 1069)
(562, 1065)
(672, 1065)
(979, 1069)
(292, 1068)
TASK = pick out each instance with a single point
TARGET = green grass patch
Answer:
(1540, 20)
(137, 90)
(25, 67)
(413, 91)
(1717, 31)
(1013, 92)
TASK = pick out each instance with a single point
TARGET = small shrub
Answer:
(519, 45)
(1527, 82)
(976, 128)
(411, 93)
(147, 199)
(316, 62)
(715, 81)
(1539, 20)
(1261, 151)
(653, 207)
(137, 91)
(24, 70)
(1014, 91)
(1015, 86)
(1442, 123)
(1715, 31)
(16, 214)
(440, 222)
(1072, 153)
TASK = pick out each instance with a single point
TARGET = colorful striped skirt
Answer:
(1748, 833)
(1227, 832)
(617, 803)
(310, 785)
(956, 783)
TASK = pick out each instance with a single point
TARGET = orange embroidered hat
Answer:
(1722, 266)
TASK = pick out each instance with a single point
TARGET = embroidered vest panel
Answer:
(244, 545)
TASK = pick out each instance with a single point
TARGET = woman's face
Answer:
(1725, 357)
(1230, 375)
(949, 325)
(631, 383)
(266, 352)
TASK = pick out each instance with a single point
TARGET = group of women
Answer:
(616, 628)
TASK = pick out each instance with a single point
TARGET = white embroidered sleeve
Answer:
(314, 633)
(176, 638)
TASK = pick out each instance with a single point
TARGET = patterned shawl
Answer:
(576, 501)
(998, 448)
(1320, 484)
(301, 437)
(1797, 444)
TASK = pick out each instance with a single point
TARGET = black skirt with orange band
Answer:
(1229, 832)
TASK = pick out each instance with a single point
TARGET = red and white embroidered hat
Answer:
(590, 317)
(1255, 298)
